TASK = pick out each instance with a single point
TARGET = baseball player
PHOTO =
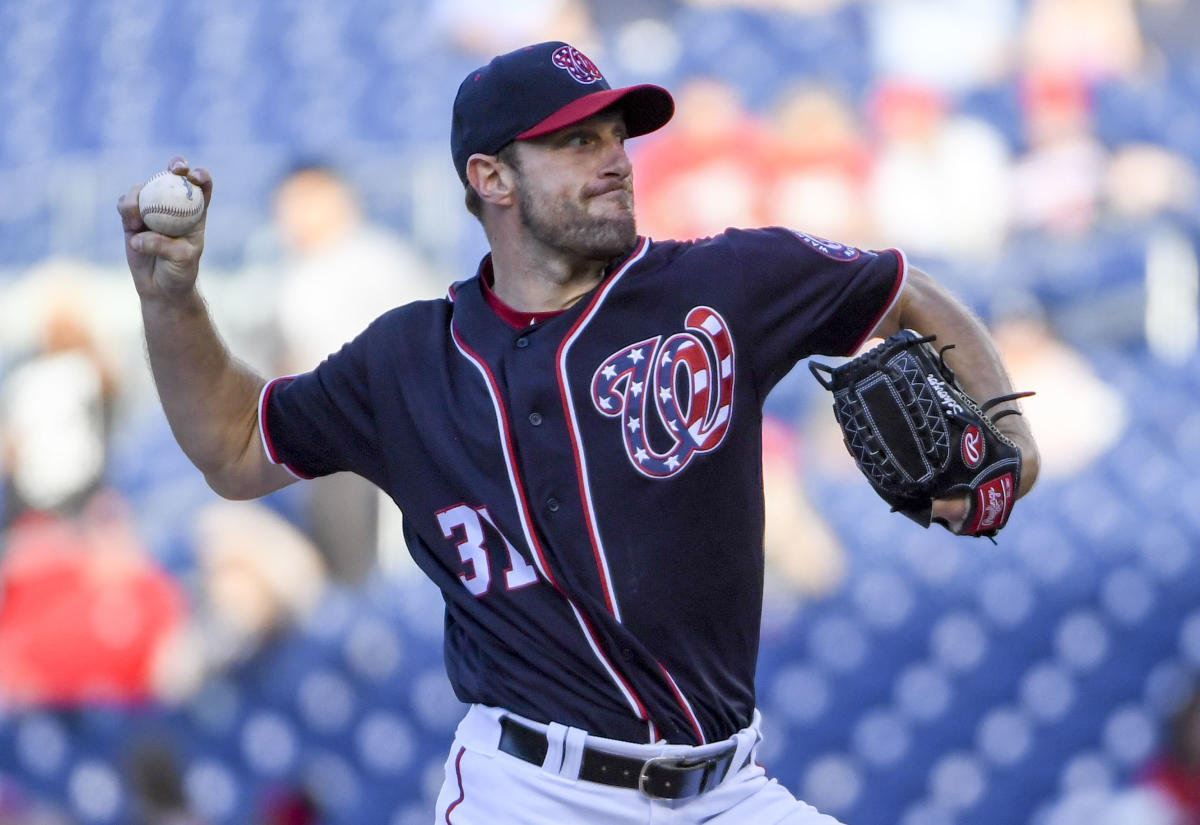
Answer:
(573, 435)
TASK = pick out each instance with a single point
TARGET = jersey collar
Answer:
(516, 318)
(513, 317)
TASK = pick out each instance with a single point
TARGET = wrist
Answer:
(171, 307)
(170, 301)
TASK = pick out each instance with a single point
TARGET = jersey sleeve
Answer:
(320, 422)
(806, 296)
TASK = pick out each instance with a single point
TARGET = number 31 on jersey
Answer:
(466, 525)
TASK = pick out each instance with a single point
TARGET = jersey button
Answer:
(523, 342)
(535, 419)
(552, 505)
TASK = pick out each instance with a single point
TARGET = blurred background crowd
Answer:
(167, 657)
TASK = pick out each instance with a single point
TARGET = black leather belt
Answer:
(660, 777)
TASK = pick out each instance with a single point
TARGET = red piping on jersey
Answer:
(530, 537)
(684, 703)
(901, 277)
(640, 707)
(509, 458)
(266, 436)
(462, 792)
(610, 598)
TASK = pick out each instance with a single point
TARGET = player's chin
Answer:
(605, 239)
(619, 233)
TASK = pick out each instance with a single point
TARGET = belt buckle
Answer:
(675, 762)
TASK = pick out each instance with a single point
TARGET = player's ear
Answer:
(491, 178)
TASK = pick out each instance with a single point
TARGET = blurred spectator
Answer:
(1144, 180)
(1058, 178)
(952, 46)
(1083, 41)
(83, 608)
(336, 273)
(56, 404)
(156, 785)
(1065, 383)
(941, 182)
(258, 576)
(704, 171)
(819, 166)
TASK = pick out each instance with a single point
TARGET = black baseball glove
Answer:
(917, 436)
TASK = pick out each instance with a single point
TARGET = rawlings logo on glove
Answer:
(917, 436)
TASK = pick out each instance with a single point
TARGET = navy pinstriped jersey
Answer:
(587, 491)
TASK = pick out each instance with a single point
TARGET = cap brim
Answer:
(646, 108)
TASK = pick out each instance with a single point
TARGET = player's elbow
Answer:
(1031, 465)
(231, 486)
(246, 478)
(1031, 459)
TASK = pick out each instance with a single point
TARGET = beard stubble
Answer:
(568, 226)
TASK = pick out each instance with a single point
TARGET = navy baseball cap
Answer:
(537, 89)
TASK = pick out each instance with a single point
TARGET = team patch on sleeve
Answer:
(830, 249)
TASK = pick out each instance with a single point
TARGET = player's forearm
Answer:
(930, 309)
(209, 398)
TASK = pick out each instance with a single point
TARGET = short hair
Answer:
(474, 203)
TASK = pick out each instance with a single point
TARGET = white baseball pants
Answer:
(486, 786)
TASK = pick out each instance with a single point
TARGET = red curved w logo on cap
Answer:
(577, 63)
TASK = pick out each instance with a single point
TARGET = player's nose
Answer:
(617, 162)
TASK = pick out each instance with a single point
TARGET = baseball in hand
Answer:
(170, 204)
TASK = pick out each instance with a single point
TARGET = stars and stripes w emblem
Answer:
(674, 397)
(578, 64)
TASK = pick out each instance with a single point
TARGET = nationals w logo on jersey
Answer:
(674, 397)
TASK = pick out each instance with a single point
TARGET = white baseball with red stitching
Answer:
(170, 204)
